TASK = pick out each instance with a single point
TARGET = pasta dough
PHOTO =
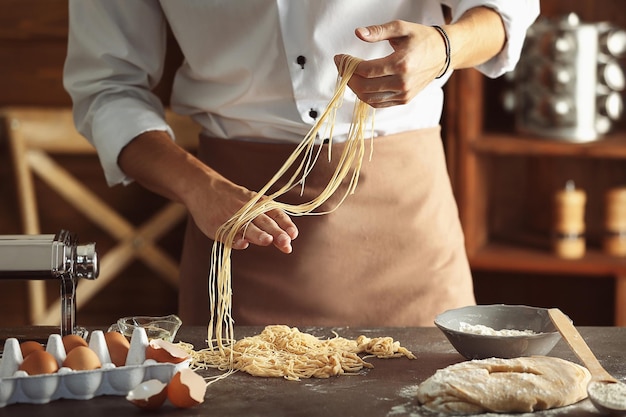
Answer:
(517, 385)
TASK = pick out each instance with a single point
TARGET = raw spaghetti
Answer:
(281, 351)
(220, 329)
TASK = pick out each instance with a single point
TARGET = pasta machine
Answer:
(53, 256)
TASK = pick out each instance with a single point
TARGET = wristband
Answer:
(446, 40)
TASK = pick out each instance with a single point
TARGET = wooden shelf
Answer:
(515, 258)
(612, 146)
(503, 180)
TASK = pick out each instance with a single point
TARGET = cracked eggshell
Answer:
(163, 351)
(148, 395)
(186, 389)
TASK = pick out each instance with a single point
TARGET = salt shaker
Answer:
(569, 222)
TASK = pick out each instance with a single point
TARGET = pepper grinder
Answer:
(50, 257)
(614, 242)
(569, 222)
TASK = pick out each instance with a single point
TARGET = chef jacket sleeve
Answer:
(517, 16)
(115, 56)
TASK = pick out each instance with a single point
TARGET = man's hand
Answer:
(160, 165)
(418, 57)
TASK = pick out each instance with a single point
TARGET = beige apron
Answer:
(391, 255)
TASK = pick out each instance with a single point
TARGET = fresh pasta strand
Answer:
(221, 326)
(281, 351)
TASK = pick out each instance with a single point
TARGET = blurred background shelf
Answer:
(505, 180)
(499, 256)
(613, 146)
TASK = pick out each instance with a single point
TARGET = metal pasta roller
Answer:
(51, 256)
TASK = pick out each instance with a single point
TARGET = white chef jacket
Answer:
(253, 69)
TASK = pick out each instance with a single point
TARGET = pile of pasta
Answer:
(283, 351)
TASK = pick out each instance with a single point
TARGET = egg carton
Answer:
(17, 386)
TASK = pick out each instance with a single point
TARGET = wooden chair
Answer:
(34, 134)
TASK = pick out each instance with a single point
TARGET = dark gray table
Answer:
(387, 390)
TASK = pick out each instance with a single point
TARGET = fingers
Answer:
(397, 33)
(240, 243)
(274, 227)
(376, 33)
(284, 222)
(397, 78)
(384, 100)
(379, 85)
(385, 81)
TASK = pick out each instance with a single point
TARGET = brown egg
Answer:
(118, 347)
(30, 346)
(81, 358)
(39, 362)
(70, 341)
(186, 389)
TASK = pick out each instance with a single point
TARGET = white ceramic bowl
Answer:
(499, 317)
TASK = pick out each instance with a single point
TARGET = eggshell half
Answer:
(149, 395)
(186, 389)
(163, 351)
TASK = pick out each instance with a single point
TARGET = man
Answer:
(257, 74)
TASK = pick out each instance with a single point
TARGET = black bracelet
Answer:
(446, 40)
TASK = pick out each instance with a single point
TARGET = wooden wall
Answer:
(33, 37)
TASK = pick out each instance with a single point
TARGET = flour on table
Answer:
(485, 330)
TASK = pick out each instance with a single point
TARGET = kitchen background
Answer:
(504, 182)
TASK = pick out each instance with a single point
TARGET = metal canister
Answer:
(568, 82)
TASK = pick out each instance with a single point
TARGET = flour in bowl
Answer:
(488, 331)
(609, 395)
